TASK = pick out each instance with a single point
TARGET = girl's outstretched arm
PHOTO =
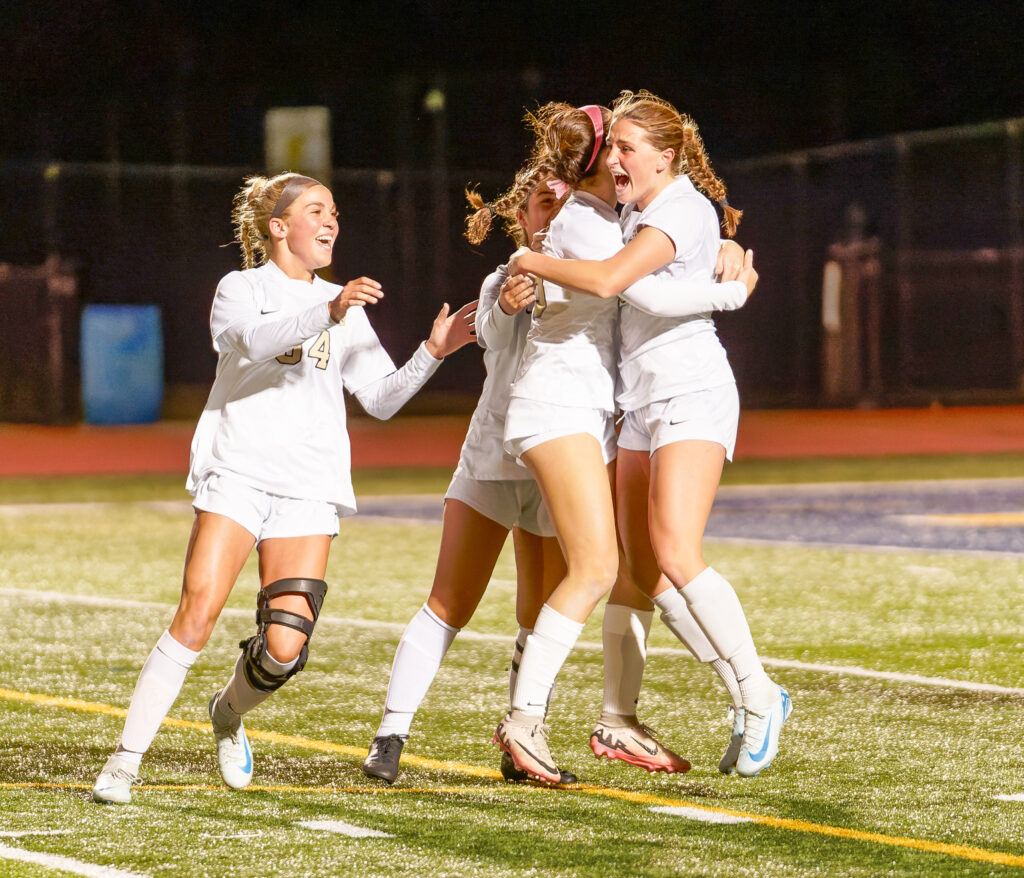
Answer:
(605, 278)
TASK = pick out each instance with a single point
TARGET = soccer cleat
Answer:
(626, 738)
(382, 760)
(761, 735)
(114, 784)
(736, 718)
(525, 739)
(234, 755)
(515, 775)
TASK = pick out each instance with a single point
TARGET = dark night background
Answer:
(760, 77)
(125, 129)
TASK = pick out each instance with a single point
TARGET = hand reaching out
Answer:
(451, 332)
(360, 292)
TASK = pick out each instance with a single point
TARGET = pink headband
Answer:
(292, 190)
(597, 120)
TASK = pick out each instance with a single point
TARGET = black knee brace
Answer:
(255, 648)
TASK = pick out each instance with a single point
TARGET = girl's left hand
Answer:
(451, 332)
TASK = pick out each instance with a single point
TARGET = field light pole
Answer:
(434, 103)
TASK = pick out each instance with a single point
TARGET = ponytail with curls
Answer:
(252, 209)
(482, 214)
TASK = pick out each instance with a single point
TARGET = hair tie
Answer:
(292, 190)
(558, 187)
(597, 120)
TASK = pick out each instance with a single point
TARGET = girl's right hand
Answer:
(360, 292)
(747, 275)
(515, 259)
(517, 293)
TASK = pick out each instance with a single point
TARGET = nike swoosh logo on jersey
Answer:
(270, 311)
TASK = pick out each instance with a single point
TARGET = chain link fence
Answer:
(943, 318)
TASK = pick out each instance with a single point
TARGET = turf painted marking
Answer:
(699, 814)
(65, 864)
(475, 636)
(1012, 797)
(22, 833)
(952, 850)
(340, 828)
(967, 519)
(255, 834)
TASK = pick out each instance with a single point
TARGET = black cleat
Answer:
(517, 775)
(382, 760)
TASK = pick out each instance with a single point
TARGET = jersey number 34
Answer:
(320, 351)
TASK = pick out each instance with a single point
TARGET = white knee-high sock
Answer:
(545, 652)
(624, 636)
(239, 696)
(717, 609)
(417, 659)
(158, 686)
(676, 615)
(517, 657)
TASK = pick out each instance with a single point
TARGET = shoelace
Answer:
(754, 727)
(389, 742)
(122, 774)
(647, 730)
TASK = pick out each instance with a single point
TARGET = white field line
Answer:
(23, 832)
(65, 864)
(475, 636)
(1013, 797)
(340, 828)
(699, 814)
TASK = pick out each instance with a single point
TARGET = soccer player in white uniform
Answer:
(489, 495)
(680, 399)
(270, 463)
(560, 424)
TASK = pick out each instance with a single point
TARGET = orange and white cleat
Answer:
(628, 739)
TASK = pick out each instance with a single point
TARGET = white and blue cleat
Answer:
(737, 717)
(234, 756)
(114, 784)
(761, 735)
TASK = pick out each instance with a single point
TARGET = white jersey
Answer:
(663, 357)
(569, 358)
(503, 337)
(275, 418)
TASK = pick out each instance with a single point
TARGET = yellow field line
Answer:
(953, 850)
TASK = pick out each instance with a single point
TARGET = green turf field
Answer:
(877, 775)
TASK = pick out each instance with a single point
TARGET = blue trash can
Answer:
(122, 364)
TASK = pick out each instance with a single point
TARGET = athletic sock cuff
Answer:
(618, 619)
(703, 586)
(176, 652)
(561, 629)
(435, 618)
